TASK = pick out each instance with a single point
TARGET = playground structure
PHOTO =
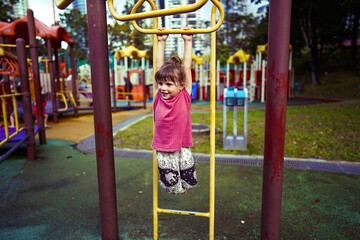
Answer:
(275, 107)
(244, 71)
(132, 75)
(11, 68)
(51, 84)
(234, 98)
(260, 70)
(240, 76)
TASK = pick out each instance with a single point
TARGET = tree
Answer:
(318, 31)
(76, 25)
(6, 10)
(119, 35)
(352, 27)
(123, 34)
(237, 31)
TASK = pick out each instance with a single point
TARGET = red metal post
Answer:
(276, 100)
(52, 80)
(25, 90)
(36, 76)
(102, 117)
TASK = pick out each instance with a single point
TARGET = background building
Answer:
(20, 8)
(175, 44)
(80, 5)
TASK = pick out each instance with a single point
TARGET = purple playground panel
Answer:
(16, 140)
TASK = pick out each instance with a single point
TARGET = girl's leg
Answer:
(169, 171)
(187, 169)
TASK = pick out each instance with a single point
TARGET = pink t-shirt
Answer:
(172, 122)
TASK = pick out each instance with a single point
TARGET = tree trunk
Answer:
(354, 34)
(314, 65)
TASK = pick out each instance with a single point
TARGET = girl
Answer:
(172, 138)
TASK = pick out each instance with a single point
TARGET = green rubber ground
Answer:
(56, 197)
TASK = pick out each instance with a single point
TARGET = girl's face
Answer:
(168, 89)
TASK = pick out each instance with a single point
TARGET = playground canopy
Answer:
(239, 57)
(197, 60)
(133, 52)
(19, 29)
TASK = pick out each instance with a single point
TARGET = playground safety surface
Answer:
(56, 196)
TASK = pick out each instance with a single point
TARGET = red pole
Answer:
(36, 76)
(276, 100)
(25, 90)
(102, 117)
(52, 80)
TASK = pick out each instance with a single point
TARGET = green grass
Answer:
(58, 194)
(327, 131)
(338, 84)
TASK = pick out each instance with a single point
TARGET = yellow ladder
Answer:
(214, 26)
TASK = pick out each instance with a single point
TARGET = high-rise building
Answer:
(20, 8)
(80, 5)
(259, 11)
(175, 44)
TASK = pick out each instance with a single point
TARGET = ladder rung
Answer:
(181, 212)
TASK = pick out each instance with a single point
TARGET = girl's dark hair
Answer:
(172, 70)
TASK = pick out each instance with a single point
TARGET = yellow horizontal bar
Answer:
(181, 212)
(154, 13)
(10, 95)
(182, 31)
(10, 45)
(62, 4)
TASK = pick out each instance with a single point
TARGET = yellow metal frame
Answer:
(11, 45)
(171, 11)
(211, 213)
(62, 4)
(8, 136)
(154, 13)
(63, 99)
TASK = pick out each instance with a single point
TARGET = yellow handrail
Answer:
(11, 45)
(154, 13)
(72, 99)
(8, 136)
(62, 95)
(178, 31)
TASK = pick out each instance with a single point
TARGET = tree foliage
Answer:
(237, 32)
(76, 25)
(6, 10)
(118, 35)
(122, 34)
(318, 31)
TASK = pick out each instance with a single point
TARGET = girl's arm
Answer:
(188, 59)
(160, 50)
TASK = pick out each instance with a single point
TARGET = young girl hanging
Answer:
(172, 137)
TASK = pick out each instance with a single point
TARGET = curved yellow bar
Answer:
(154, 13)
(182, 31)
(63, 98)
(62, 4)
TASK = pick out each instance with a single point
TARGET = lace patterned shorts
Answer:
(177, 170)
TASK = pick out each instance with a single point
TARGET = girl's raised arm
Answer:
(188, 59)
(160, 49)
